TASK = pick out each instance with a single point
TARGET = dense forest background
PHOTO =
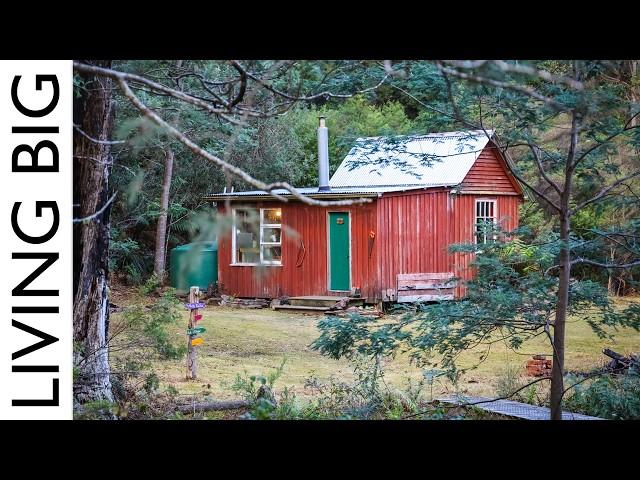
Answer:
(282, 147)
(152, 137)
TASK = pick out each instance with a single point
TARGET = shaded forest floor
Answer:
(255, 341)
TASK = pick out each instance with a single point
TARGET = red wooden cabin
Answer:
(426, 193)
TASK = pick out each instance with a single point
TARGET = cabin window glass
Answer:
(257, 236)
(246, 236)
(271, 236)
(485, 220)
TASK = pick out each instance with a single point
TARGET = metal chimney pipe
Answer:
(323, 156)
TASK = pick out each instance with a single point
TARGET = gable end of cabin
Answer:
(490, 174)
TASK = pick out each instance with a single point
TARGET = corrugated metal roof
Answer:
(313, 191)
(431, 160)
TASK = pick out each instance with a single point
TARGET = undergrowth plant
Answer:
(141, 336)
(511, 379)
(607, 396)
(366, 397)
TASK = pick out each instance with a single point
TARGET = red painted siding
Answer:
(489, 174)
(463, 227)
(416, 229)
(413, 231)
(302, 223)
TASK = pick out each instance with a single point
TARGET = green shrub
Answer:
(509, 380)
(151, 285)
(366, 397)
(148, 326)
(612, 397)
(248, 385)
(163, 314)
(142, 335)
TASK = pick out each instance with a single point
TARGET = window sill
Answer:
(255, 264)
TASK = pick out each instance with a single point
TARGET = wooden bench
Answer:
(424, 287)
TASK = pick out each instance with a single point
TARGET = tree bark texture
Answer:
(93, 113)
(161, 228)
(562, 305)
(160, 259)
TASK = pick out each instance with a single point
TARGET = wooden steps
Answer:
(323, 301)
(316, 303)
(300, 308)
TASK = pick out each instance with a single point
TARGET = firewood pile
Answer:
(229, 301)
(539, 366)
(619, 363)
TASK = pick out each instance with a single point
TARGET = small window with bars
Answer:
(485, 220)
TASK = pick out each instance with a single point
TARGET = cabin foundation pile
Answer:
(229, 301)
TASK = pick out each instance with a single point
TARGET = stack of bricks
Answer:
(539, 366)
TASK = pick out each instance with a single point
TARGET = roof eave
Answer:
(267, 197)
(507, 158)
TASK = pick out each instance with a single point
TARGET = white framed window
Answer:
(485, 220)
(257, 236)
(271, 236)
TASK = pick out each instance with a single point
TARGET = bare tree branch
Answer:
(269, 188)
(511, 86)
(536, 156)
(437, 110)
(628, 126)
(604, 192)
(106, 72)
(456, 110)
(606, 265)
(99, 212)
(241, 91)
(541, 195)
(95, 140)
(519, 68)
(325, 94)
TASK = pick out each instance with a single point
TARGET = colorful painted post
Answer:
(192, 370)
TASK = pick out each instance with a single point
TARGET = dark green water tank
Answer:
(194, 265)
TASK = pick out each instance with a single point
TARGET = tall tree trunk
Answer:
(161, 228)
(562, 305)
(93, 113)
(160, 259)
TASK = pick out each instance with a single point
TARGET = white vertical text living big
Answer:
(35, 141)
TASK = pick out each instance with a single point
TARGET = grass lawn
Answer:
(256, 341)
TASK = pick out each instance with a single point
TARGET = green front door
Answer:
(339, 261)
